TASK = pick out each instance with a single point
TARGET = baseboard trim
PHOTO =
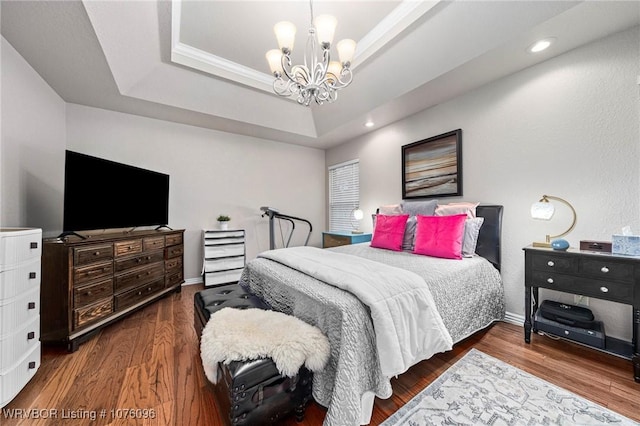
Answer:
(512, 318)
(192, 281)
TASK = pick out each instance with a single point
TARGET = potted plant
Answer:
(223, 222)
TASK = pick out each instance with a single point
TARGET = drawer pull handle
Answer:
(31, 305)
(604, 289)
(604, 269)
(550, 280)
(31, 335)
(96, 253)
(551, 263)
(32, 365)
(139, 293)
(33, 245)
(88, 293)
(32, 275)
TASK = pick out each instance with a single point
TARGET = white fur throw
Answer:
(244, 334)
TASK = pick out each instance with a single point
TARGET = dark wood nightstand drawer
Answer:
(608, 290)
(551, 263)
(554, 281)
(606, 269)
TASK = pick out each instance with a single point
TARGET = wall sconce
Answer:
(357, 216)
(544, 210)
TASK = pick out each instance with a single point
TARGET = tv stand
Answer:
(67, 233)
(90, 283)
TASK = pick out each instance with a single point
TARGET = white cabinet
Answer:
(224, 256)
(20, 252)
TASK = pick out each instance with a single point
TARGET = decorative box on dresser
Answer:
(89, 283)
(20, 253)
(224, 256)
(603, 276)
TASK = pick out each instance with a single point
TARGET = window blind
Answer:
(344, 194)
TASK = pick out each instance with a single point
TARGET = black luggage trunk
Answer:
(254, 393)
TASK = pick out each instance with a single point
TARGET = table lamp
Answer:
(544, 210)
(357, 217)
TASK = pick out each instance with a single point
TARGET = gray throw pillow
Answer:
(471, 232)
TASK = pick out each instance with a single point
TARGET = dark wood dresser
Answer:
(603, 276)
(89, 283)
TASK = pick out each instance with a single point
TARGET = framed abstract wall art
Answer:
(433, 167)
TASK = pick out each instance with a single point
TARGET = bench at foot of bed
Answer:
(251, 392)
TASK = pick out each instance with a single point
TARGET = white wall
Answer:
(567, 127)
(211, 173)
(32, 147)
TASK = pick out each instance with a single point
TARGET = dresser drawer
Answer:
(92, 254)
(173, 239)
(152, 243)
(551, 263)
(174, 251)
(212, 265)
(86, 295)
(16, 312)
(92, 313)
(172, 264)
(22, 278)
(15, 345)
(223, 250)
(123, 248)
(174, 278)
(133, 296)
(141, 260)
(138, 277)
(606, 269)
(93, 272)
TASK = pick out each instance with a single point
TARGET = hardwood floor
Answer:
(150, 362)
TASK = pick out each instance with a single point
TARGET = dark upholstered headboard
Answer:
(490, 237)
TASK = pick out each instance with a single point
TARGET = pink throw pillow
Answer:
(389, 231)
(440, 236)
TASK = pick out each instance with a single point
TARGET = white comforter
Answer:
(407, 324)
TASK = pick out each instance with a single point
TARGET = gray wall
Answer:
(32, 147)
(567, 127)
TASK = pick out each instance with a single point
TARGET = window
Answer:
(344, 194)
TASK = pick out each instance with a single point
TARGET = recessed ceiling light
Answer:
(369, 123)
(541, 45)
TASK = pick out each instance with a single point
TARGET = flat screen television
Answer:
(103, 194)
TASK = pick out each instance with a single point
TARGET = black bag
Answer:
(574, 316)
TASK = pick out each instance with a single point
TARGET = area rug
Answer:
(482, 390)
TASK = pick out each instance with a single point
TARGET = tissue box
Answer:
(626, 244)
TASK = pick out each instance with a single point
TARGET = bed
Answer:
(351, 302)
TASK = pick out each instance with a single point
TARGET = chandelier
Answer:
(319, 78)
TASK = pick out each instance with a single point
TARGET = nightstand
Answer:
(603, 276)
(343, 238)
